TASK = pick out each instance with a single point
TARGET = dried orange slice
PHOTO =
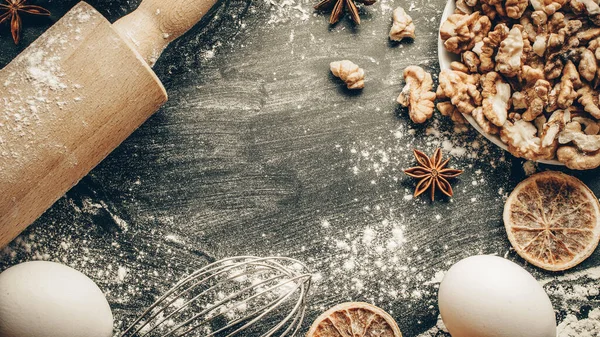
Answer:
(354, 319)
(553, 220)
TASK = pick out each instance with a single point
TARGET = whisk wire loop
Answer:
(227, 299)
(269, 307)
(186, 304)
(215, 301)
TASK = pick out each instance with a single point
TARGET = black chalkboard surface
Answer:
(261, 151)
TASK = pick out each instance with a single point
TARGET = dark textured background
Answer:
(253, 154)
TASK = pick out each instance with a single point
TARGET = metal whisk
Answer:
(256, 296)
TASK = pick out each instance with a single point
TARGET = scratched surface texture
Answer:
(261, 151)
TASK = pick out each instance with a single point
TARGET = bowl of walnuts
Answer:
(525, 74)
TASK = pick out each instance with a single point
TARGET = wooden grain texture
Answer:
(261, 151)
(156, 23)
(68, 101)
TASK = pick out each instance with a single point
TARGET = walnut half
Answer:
(522, 140)
(496, 96)
(461, 32)
(577, 160)
(461, 89)
(349, 72)
(447, 109)
(510, 54)
(403, 26)
(573, 133)
(417, 94)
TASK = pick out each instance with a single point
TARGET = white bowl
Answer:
(445, 58)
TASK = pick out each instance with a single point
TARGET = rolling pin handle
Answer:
(156, 23)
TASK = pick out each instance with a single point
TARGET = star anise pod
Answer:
(337, 8)
(432, 174)
(11, 11)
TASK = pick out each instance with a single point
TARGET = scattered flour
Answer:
(571, 326)
(592, 273)
(437, 278)
(121, 274)
(370, 262)
(438, 330)
(286, 10)
(43, 70)
(362, 257)
(570, 290)
(383, 161)
(530, 167)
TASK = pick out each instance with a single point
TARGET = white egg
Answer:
(488, 296)
(47, 299)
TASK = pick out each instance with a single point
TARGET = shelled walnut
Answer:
(447, 109)
(577, 160)
(573, 133)
(508, 8)
(549, 7)
(461, 32)
(530, 72)
(496, 96)
(509, 59)
(402, 27)
(487, 47)
(417, 95)
(349, 72)
(461, 89)
(588, 98)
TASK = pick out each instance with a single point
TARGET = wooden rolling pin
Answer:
(74, 95)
